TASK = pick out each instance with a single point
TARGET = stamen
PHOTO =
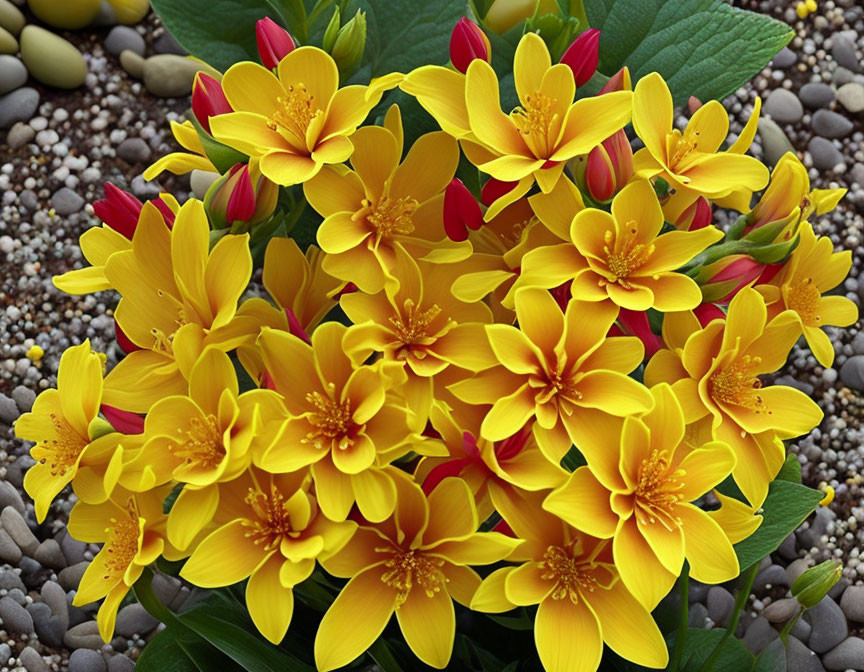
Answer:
(62, 452)
(411, 327)
(121, 545)
(409, 568)
(737, 386)
(624, 255)
(296, 111)
(658, 491)
(273, 521)
(805, 299)
(332, 422)
(202, 445)
(390, 216)
(571, 577)
(535, 120)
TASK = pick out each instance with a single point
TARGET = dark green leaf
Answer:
(701, 643)
(521, 622)
(772, 659)
(293, 13)
(382, 656)
(704, 48)
(791, 470)
(163, 654)
(785, 508)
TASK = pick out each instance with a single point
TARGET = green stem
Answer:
(740, 601)
(683, 620)
(784, 633)
(143, 590)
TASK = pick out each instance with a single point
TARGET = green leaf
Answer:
(293, 13)
(382, 656)
(164, 654)
(785, 508)
(700, 644)
(791, 470)
(772, 659)
(703, 48)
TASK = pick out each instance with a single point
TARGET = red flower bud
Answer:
(609, 167)
(295, 327)
(165, 210)
(582, 56)
(635, 322)
(706, 313)
(119, 210)
(461, 211)
(696, 216)
(125, 343)
(620, 81)
(723, 279)
(241, 202)
(208, 100)
(125, 422)
(274, 42)
(468, 42)
(494, 189)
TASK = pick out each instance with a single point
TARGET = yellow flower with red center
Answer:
(177, 298)
(71, 440)
(558, 369)
(582, 601)
(385, 203)
(271, 531)
(537, 138)
(812, 270)
(132, 528)
(715, 374)
(641, 477)
(415, 564)
(297, 120)
(622, 257)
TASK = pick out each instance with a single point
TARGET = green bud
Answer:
(350, 44)
(332, 30)
(814, 584)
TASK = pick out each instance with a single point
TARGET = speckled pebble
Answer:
(66, 202)
(15, 617)
(32, 661)
(851, 96)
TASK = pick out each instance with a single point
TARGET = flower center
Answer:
(62, 452)
(559, 385)
(163, 342)
(679, 147)
(411, 327)
(273, 521)
(571, 577)
(409, 568)
(534, 120)
(295, 111)
(390, 216)
(203, 444)
(625, 256)
(122, 543)
(332, 422)
(736, 385)
(657, 493)
(805, 299)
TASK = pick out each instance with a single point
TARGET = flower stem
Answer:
(143, 590)
(683, 620)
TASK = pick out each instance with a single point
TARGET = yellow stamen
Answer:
(390, 216)
(62, 452)
(121, 545)
(202, 445)
(571, 576)
(411, 327)
(332, 422)
(680, 146)
(624, 255)
(273, 522)
(737, 386)
(658, 491)
(535, 120)
(409, 568)
(805, 299)
(296, 111)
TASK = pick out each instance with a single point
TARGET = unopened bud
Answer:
(582, 56)
(241, 196)
(724, 278)
(208, 100)
(468, 42)
(495, 189)
(332, 30)
(350, 44)
(620, 81)
(461, 211)
(813, 585)
(696, 216)
(274, 42)
(609, 167)
(119, 210)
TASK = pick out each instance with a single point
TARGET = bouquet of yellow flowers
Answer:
(460, 344)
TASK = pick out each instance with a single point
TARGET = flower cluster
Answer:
(545, 379)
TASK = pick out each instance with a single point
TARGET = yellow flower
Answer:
(622, 257)
(343, 420)
(536, 139)
(637, 489)
(295, 122)
(558, 368)
(715, 374)
(383, 204)
(181, 163)
(812, 270)
(71, 442)
(689, 160)
(582, 601)
(414, 563)
(178, 297)
(737, 519)
(132, 527)
(271, 532)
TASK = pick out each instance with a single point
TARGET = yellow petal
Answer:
(640, 569)
(512, 347)
(441, 92)
(583, 503)
(250, 87)
(313, 68)
(709, 551)
(375, 157)
(247, 133)
(270, 604)
(652, 113)
(559, 650)
(704, 468)
(428, 625)
(509, 414)
(490, 597)
(489, 124)
(530, 63)
(225, 556)
(709, 126)
(590, 121)
(334, 189)
(452, 512)
(192, 511)
(375, 494)
(427, 169)
(285, 168)
(525, 585)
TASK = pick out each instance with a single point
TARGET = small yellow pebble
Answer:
(801, 10)
(829, 496)
(35, 353)
(811, 5)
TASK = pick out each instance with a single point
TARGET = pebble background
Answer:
(79, 108)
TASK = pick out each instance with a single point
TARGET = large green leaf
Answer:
(700, 644)
(170, 651)
(704, 48)
(785, 508)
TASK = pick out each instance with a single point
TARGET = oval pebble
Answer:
(85, 660)
(8, 43)
(829, 124)
(122, 38)
(11, 17)
(51, 59)
(15, 617)
(69, 14)
(132, 63)
(170, 76)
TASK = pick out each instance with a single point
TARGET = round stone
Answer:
(132, 63)
(825, 155)
(200, 181)
(829, 124)
(852, 372)
(829, 625)
(11, 17)
(847, 655)
(134, 150)
(85, 660)
(852, 603)
(66, 202)
(785, 58)
(129, 11)
(70, 14)
(20, 105)
(851, 96)
(19, 135)
(122, 38)
(816, 94)
(774, 141)
(15, 617)
(13, 74)
(51, 59)
(169, 75)
(8, 43)
(843, 51)
(784, 107)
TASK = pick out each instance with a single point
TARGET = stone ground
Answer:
(52, 166)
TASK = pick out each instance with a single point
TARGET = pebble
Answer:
(166, 44)
(134, 150)
(9, 496)
(69, 14)
(14, 524)
(24, 397)
(11, 17)
(73, 550)
(13, 74)
(8, 43)
(85, 660)
(122, 38)
(759, 635)
(851, 96)
(84, 636)
(774, 141)
(784, 107)
(132, 63)
(825, 155)
(55, 597)
(829, 625)
(816, 94)
(852, 372)
(20, 105)
(120, 663)
(106, 16)
(852, 603)
(829, 124)
(801, 630)
(843, 76)
(848, 654)
(843, 51)
(130, 11)
(15, 617)
(19, 135)
(8, 410)
(5, 653)
(802, 659)
(773, 575)
(9, 551)
(781, 611)
(133, 619)
(49, 555)
(200, 181)
(697, 615)
(66, 202)
(32, 661)
(169, 75)
(51, 59)
(70, 577)
(46, 626)
(784, 58)
(720, 605)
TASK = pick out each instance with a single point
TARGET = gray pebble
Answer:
(720, 605)
(55, 597)
(843, 52)
(70, 577)
(802, 659)
(133, 619)
(19, 135)
(145, 190)
(106, 16)
(85, 660)
(122, 38)
(32, 661)
(801, 630)
(829, 625)
(9, 496)
(856, 176)
(14, 524)
(166, 44)
(47, 626)
(134, 150)
(166, 587)
(843, 76)
(852, 372)
(132, 63)
(784, 58)
(838, 589)
(825, 155)
(13, 74)
(816, 94)
(852, 603)
(169, 75)
(781, 611)
(851, 96)
(697, 615)
(783, 106)
(15, 471)
(773, 575)
(49, 555)
(5, 653)
(66, 202)
(73, 550)
(8, 410)
(84, 636)
(120, 663)
(24, 397)
(847, 655)
(15, 617)
(788, 550)
(759, 635)
(9, 580)
(774, 141)
(829, 124)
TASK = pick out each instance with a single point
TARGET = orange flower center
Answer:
(390, 216)
(409, 568)
(571, 576)
(203, 444)
(295, 111)
(736, 385)
(535, 120)
(273, 521)
(332, 422)
(679, 148)
(62, 452)
(557, 385)
(658, 491)
(805, 299)
(411, 328)
(624, 256)
(122, 544)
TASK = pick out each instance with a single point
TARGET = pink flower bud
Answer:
(274, 42)
(582, 56)
(119, 210)
(494, 189)
(620, 81)
(461, 211)
(706, 313)
(241, 202)
(468, 42)
(696, 216)
(609, 167)
(208, 100)
(635, 323)
(125, 422)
